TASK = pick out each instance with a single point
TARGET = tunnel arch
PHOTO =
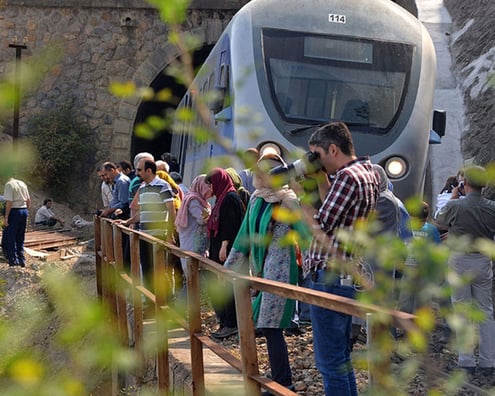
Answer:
(161, 143)
(150, 73)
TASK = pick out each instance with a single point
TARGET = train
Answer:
(282, 68)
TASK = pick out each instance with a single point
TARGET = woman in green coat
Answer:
(267, 240)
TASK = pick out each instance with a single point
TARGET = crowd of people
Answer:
(244, 221)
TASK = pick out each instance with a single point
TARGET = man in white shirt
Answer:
(17, 203)
(45, 216)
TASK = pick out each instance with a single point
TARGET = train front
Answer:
(369, 63)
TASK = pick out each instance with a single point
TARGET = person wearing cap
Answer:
(275, 260)
(470, 220)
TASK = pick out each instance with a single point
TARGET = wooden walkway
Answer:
(39, 239)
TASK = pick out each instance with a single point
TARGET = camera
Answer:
(460, 188)
(308, 164)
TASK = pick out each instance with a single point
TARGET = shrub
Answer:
(65, 149)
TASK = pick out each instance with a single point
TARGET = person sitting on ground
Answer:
(45, 216)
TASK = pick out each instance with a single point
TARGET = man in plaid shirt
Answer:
(351, 195)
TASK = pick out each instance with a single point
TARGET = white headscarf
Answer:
(265, 189)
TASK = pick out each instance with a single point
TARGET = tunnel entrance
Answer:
(161, 143)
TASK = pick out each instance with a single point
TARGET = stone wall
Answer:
(473, 51)
(98, 45)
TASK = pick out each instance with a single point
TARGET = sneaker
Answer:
(224, 332)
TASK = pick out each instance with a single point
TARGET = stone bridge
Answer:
(103, 41)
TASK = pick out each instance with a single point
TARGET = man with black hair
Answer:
(45, 216)
(125, 167)
(119, 205)
(351, 196)
(172, 161)
(155, 214)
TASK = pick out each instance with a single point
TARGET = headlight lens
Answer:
(395, 167)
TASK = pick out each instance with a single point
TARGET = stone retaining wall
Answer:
(99, 44)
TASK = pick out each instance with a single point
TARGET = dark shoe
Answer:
(13, 263)
(485, 371)
(258, 333)
(294, 331)
(224, 332)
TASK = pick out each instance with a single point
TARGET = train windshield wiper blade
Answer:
(306, 128)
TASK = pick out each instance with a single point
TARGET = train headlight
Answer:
(395, 167)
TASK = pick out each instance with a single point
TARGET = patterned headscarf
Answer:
(198, 190)
(222, 184)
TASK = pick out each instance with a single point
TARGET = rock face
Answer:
(473, 52)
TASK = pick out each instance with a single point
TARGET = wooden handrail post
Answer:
(247, 339)
(161, 291)
(194, 310)
(118, 249)
(108, 284)
(379, 355)
(137, 301)
(98, 256)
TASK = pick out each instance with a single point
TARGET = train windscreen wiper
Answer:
(306, 128)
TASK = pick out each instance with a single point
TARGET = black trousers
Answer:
(278, 356)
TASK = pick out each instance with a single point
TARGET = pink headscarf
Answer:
(222, 184)
(198, 190)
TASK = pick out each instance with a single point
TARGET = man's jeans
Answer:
(13, 236)
(331, 333)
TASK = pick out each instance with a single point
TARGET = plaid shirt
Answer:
(353, 194)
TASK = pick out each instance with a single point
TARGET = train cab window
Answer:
(315, 79)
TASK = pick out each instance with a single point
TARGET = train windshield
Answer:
(315, 79)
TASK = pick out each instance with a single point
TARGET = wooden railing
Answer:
(113, 282)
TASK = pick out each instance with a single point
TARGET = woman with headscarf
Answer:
(268, 240)
(223, 225)
(192, 216)
(236, 179)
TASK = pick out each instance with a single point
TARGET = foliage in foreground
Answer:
(82, 348)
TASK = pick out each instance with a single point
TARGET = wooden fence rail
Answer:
(114, 283)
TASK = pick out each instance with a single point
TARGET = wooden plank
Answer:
(47, 239)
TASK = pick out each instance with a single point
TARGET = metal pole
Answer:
(17, 88)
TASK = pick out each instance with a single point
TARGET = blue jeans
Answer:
(13, 237)
(331, 333)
